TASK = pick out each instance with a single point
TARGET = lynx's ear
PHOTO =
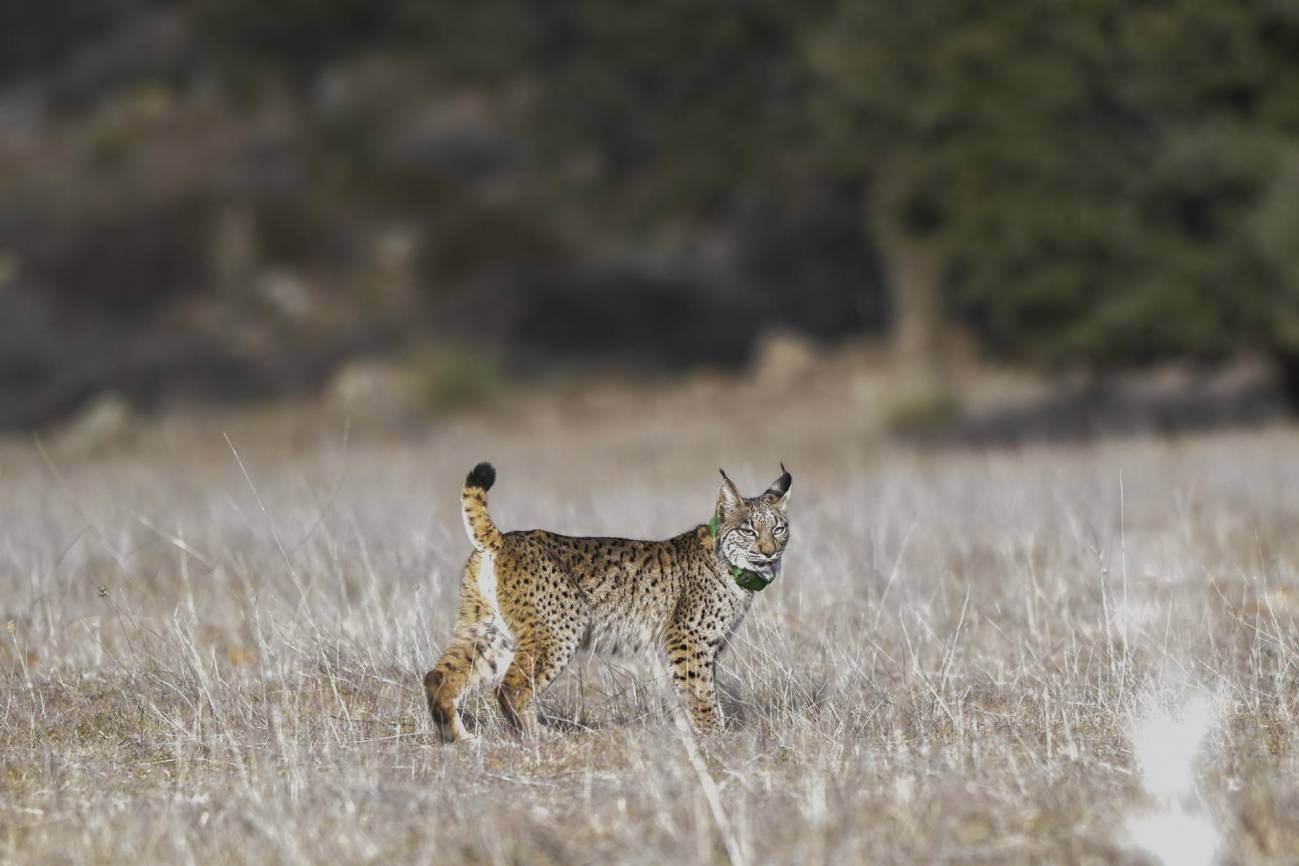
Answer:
(728, 496)
(779, 489)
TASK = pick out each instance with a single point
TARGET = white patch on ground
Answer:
(1176, 838)
(1175, 830)
(1165, 746)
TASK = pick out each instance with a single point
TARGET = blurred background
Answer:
(971, 220)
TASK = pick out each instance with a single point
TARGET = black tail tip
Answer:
(483, 475)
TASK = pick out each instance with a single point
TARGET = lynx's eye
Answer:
(746, 531)
(782, 530)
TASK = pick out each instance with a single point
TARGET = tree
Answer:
(1103, 183)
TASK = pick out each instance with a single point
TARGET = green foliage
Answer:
(919, 408)
(448, 378)
(1109, 183)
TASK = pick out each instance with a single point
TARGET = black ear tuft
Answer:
(724, 475)
(483, 475)
(780, 486)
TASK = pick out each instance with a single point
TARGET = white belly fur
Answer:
(486, 580)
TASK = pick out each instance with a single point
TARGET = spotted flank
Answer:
(529, 599)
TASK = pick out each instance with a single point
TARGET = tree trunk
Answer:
(912, 271)
(1287, 365)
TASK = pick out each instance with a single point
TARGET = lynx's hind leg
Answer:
(481, 649)
(541, 657)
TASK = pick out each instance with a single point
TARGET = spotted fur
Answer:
(528, 600)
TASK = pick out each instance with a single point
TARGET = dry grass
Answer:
(956, 665)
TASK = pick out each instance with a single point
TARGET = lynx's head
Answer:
(752, 533)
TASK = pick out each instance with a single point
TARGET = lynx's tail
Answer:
(473, 503)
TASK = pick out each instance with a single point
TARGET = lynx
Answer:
(528, 600)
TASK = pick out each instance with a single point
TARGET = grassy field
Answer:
(1045, 655)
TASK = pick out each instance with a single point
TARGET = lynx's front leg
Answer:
(693, 660)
